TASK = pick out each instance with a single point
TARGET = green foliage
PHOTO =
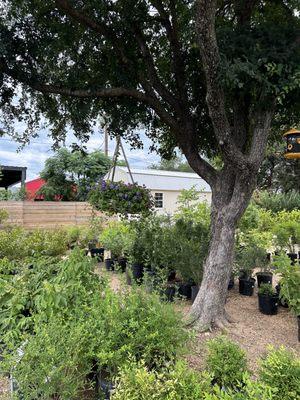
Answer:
(3, 215)
(13, 195)
(190, 207)
(250, 256)
(75, 322)
(278, 174)
(121, 198)
(278, 201)
(55, 361)
(17, 243)
(174, 164)
(287, 233)
(136, 382)
(226, 362)
(69, 175)
(248, 390)
(266, 289)
(191, 248)
(116, 238)
(289, 283)
(280, 370)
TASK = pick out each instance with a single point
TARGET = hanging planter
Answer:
(121, 198)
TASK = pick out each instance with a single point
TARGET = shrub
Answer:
(248, 390)
(278, 201)
(281, 370)
(136, 382)
(17, 243)
(54, 363)
(266, 289)
(116, 238)
(3, 215)
(289, 283)
(226, 362)
(74, 323)
(191, 242)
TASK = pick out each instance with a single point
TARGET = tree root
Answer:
(202, 325)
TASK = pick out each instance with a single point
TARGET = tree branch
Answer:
(98, 27)
(177, 54)
(205, 24)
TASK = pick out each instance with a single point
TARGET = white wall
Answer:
(170, 200)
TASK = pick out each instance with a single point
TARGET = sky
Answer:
(33, 156)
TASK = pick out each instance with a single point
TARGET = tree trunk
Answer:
(230, 199)
(208, 308)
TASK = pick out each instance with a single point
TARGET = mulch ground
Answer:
(253, 331)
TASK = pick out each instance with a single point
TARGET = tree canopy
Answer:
(212, 77)
(71, 175)
(176, 163)
(140, 62)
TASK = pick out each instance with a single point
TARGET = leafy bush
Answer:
(17, 243)
(249, 257)
(74, 323)
(136, 382)
(116, 238)
(289, 283)
(226, 362)
(122, 198)
(287, 233)
(3, 215)
(279, 201)
(266, 289)
(248, 390)
(281, 370)
(190, 248)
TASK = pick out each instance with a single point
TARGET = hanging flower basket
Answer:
(121, 198)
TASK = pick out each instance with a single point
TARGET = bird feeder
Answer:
(292, 144)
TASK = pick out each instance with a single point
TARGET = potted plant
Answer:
(116, 238)
(245, 259)
(287, 234)
(289, 284)
(192, 240)
(121, 198)
(267, 299)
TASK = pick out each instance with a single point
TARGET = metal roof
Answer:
(155, 179)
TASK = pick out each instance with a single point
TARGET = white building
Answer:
(165, 186)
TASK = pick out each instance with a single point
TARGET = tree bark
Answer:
(231, 195)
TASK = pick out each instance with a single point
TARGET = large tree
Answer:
(70, 175)
(211, 77)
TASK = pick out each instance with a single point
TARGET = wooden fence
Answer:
(48, 214)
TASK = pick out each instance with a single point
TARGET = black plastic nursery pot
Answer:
(171, 276)
(98, 253)
(195, 290)
(168, 294)
(137, 273)
(231, 284)
(268, 305)
(185, 290)
(109, 264)
(293, 257)
(264, 277)
(246, 286)
(122, 261)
